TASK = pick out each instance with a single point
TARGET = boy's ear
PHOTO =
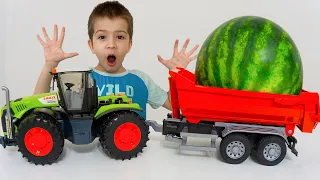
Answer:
(90, 44)
(130, 45)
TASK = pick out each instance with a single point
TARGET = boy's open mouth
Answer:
(111, 59)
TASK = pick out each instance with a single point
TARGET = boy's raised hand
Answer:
(53, 48)
(179, 59)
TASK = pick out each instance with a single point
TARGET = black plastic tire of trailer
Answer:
(275, 144)
(235, 139)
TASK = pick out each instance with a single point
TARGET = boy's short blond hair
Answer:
(110, 9)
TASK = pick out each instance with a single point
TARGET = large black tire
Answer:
(270, 151)
(40, 139)
(235, 148)
(113, 135)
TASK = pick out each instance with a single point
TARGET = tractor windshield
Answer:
(73, 88)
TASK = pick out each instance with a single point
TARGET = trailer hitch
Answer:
(155, 126)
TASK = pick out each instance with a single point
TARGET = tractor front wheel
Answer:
(40, 139)
(124, 135)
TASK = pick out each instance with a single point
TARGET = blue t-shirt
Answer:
(135, 84)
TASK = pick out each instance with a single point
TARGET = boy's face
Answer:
(110, 43)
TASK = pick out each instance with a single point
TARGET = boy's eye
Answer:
(101, 37)
(120, 37)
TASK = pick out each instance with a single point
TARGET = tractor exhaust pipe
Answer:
(7, 140)
(8, 114)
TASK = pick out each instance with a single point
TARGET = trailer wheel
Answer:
(40, 139)
(124, 135)
(271, 150)
(235, 148)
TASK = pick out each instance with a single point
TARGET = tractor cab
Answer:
(77, 91)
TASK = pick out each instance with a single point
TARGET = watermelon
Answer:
(250, 53)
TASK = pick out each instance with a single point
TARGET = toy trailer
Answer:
(249, 123)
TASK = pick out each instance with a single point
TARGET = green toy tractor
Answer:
(39, 124)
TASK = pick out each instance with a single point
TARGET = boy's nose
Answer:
(111, 44)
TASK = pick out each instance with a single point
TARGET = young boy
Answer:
(110, 30)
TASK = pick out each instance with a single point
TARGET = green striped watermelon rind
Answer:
(250, 53)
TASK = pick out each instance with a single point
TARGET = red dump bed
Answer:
(200, 103)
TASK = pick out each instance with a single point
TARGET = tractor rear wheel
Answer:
(40, 139)
(124, 135)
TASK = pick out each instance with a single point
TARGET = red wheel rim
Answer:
(127, 136)
(38, 141)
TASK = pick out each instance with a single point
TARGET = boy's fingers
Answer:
(192, 50)
(161, 59)
(55, 32)
(194, 57)
(185, 46)
(62, 34)
(45, 34)
(70, 55)
(40, 40)
(175, 47)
